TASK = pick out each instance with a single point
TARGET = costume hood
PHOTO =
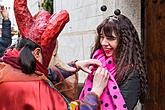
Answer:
(43, 28)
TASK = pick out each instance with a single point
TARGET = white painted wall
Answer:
(33, 6)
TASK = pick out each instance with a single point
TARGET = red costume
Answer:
(19, 91)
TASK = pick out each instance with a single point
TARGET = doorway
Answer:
(153, 37)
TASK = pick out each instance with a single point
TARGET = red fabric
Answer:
(54, 27)
(11, 57)
(23, 16)
(19, 91)
(42, 29)
(34, 95)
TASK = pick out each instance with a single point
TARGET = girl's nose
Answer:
(104, 41)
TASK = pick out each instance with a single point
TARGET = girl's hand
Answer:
(100, 81)
(84, 64)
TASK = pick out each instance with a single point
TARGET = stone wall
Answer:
(33, 6)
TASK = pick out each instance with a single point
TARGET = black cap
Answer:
(117, 12)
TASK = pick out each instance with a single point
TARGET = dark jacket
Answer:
(130, 89)
(5, 39)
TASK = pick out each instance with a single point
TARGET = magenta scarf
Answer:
(111, 98)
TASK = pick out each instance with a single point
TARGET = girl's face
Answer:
(109, 44)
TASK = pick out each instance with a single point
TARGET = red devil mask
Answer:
(42, 29)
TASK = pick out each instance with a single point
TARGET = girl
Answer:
(118, 48)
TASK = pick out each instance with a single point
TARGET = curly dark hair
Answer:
(130, 53)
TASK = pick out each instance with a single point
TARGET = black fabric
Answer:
(5, 39)
(130, 90)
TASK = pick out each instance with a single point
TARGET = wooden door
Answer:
(154, 42)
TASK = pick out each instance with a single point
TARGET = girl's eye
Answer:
(111, 38)
(101, 36)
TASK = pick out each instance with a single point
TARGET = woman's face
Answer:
(109, 44)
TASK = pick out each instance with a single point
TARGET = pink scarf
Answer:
(111, 98)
